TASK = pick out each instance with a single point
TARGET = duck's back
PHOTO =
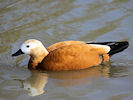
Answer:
(64, 43)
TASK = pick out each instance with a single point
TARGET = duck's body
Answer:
(73, 57)
(69, 55)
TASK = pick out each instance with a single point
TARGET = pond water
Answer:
(52, 21)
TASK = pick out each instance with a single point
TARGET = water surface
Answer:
(57, 20)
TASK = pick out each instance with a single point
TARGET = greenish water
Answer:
(56, 20)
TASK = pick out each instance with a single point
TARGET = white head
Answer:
(31, 47)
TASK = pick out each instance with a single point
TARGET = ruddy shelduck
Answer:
(69, 55)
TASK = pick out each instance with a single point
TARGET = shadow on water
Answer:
(36, 83)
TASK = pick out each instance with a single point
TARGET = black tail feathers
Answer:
(115, 46)
(118, 47)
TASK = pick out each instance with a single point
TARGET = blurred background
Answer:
(52, 21)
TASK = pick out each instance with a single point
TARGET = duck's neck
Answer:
(36, 58)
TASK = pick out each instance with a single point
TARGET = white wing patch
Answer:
(104, 48)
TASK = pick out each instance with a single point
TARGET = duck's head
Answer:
(31, 47)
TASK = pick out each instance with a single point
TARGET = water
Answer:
(56, 20)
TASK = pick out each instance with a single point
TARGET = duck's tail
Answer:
(116, 47)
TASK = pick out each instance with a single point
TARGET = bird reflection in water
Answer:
(36, 83)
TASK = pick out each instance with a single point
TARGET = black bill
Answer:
(19, 52)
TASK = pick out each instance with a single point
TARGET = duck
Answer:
(69, 55)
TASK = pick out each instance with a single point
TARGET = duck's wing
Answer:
(115, 47)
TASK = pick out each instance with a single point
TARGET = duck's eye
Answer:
(27, 46)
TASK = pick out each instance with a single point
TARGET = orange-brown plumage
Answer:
(64, 43)
(69, 55)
